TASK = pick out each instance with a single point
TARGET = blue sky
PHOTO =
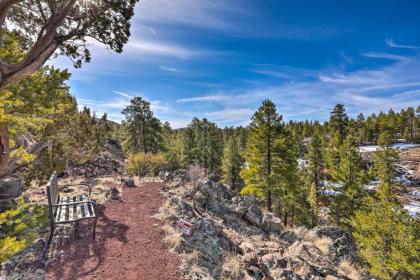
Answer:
(220, 59)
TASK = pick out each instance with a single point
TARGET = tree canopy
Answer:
(63, 28)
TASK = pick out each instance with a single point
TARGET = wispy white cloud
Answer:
(169, 69)
(391, 43)
(383, 55)
(143, 47)
(153, 31)
(123, 94)
(207, 98)
(226, 116)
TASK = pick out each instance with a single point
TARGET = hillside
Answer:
(233, 238)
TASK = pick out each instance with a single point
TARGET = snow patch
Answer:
(413, 208)
(397, 146)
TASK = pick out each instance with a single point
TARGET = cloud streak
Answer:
(391, 43)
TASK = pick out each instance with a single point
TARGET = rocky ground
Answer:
(233, 239)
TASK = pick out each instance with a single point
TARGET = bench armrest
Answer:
(81, 184)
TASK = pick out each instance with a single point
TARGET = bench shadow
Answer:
(80, 252)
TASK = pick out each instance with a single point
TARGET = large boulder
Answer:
(11, 188)
(271, 223)
(253, 215)
(241, 204)
(305, 259)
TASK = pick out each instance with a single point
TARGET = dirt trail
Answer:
(128, 243)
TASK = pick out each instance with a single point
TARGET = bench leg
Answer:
(94, 228)
(49, 240)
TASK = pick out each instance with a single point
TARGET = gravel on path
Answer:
(129, 242)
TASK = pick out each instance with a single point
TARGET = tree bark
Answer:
(4, 147)
(45, 45)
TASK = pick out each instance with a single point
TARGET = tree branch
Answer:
(5, 6)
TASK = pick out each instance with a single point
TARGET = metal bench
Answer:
(68, 209)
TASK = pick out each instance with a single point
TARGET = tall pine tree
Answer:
(352, 176)
(145, 131)
(232, 163)
(315, 157)
(260, 157)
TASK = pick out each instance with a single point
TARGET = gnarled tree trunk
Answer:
(8, 164)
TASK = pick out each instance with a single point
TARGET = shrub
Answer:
(157, 163)
(144, 164)
(18, 227)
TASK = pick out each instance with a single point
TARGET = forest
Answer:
(285, 165)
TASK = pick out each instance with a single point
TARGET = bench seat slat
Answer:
(72, 213)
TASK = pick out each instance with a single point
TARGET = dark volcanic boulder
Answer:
(10, 188)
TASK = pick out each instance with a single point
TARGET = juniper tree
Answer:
(29, 105)
(232, 163)
(260, 156)
(61, 27)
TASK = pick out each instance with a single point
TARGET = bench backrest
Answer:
(53, 195)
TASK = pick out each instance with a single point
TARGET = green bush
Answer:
(19, 227)
(142, 164)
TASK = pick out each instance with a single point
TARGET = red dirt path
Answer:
(128, 243)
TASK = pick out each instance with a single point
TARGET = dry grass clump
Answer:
(301, 232)
(323, 244)
(348, 269)
(193, 258)
(166, 212)
(233, 268)
(174, 241)
(172, 238)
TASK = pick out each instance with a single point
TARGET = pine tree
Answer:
(145, 131)
(232, 163)
(339, 121)
(188, 156)
(332, 155)
(315, 157)
(351, 175)
(361, 128)
(386, 236)
(290, 191)
(385, 159)
(261, 160)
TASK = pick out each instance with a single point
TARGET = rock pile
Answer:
(234, 239)
(109, 161)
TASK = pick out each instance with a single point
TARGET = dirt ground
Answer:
(129, 242)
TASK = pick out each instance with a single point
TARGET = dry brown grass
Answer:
(323, 244)
(348, 269)
(233, 268)
(166, 212)
(174, 241)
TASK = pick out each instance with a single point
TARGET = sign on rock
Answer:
(184, 227)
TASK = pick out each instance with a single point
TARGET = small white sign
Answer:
(184, 227)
